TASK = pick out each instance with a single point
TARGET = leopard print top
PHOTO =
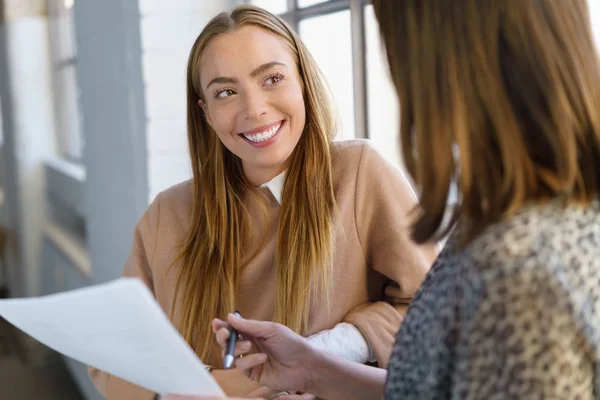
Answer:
(514, 315)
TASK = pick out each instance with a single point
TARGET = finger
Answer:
(257, 329)
(393, 292)
(175, 397)
(250, 361)
(222, 335)
(306, 396)
(216, 324)
(242, 348)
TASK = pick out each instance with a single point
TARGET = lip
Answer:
(261, 129)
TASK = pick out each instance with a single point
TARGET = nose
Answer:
(256, 105)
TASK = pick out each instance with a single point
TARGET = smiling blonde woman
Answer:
(278, 222)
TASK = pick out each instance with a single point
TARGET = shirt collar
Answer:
(275, 185)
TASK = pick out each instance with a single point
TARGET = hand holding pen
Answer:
(274, 356)
(231, 341)
(229, 356)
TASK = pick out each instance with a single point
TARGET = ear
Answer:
(204, 108)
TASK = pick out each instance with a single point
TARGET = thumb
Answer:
(256, 329)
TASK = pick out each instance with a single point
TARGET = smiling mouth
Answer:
(264, 135)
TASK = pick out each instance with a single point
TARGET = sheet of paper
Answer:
(118, 328)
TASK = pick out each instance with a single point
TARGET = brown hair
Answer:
(512, 86)
(211, 256)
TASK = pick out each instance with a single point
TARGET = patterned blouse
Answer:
(514, 315)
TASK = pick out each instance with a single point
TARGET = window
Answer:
(594, 6)
(382, 101)
(333, 54)
(63, 54)
(274, 6)
(343, 37)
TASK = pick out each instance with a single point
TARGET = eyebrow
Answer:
(253, 74)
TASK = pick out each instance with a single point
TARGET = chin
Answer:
(272, 160)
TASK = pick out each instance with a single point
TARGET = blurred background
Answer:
(92, 111)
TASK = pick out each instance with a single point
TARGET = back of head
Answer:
(502, 97)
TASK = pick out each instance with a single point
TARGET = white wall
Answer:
(168, 30)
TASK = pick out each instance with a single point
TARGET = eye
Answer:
(274, 79)
(224, 93)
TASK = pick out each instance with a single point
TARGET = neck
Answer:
(260, 176)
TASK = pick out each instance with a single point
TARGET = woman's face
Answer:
(253, 99)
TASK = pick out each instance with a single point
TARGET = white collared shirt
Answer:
(344, 340)
(275, 185)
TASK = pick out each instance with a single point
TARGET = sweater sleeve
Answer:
(383, 202)
(137, 265)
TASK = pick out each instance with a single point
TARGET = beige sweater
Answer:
(372, 247)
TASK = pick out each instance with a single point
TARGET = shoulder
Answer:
(546, 255)
(353, 151)
(346, 159)
(551, 235)
(178, 196)
(172, 206)
(351, 147)
(359, 159)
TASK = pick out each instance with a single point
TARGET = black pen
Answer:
(230, 351)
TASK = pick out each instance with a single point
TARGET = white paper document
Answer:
(118, 328)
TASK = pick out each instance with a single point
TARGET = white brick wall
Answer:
(168, 30)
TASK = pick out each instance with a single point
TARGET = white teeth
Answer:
(266, 135)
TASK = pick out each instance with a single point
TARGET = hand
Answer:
(394, 294)
(273, 394)
(221, 330)
(175, 397)
(281, 359)
(283, 397)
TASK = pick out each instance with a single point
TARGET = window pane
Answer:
(66, 100)
(274, 6)
(333, 54)
(69, 123)
(62, 31)
(594, 6)
(382, 102)
(306, 3)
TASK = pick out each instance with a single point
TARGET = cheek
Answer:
(222, 123)
(296, 103)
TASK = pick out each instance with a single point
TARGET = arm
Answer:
(344, 340)
(287, 361)
(383, 203)
(137, 265)
(525, 341)
(332, 377)
(234, 383)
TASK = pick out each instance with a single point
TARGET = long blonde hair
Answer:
(211, 255)
(513, 86)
